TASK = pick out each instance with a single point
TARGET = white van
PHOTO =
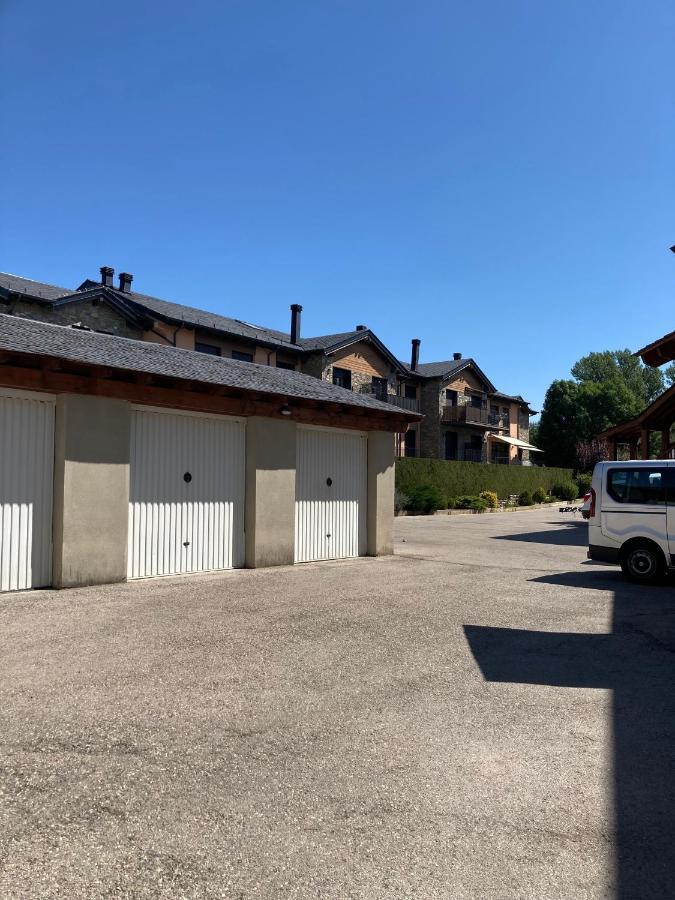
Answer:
(631, 520)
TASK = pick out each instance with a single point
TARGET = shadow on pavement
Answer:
(636, 660)
(568, 534)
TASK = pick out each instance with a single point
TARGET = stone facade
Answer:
(431, 407)
(97, 316)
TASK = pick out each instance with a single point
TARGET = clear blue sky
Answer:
(495, 178)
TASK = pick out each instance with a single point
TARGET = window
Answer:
(285, 365)
(476, 401)
(410, 443)
(211, 349)
(242, 357)
(342, 378)
(380, 388)
(641, 485)
(410, 392)
(451, 398)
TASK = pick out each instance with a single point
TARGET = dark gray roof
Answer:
(163, 308)
(27, 336)
(328, 341)
(32, 288)
(189, 315)
(447, 367)
(516, 398)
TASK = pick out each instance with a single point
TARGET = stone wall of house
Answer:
(431, 405)
(97, 316)
(524, 429)
(315, 365)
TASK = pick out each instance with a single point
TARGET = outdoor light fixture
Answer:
(672, 249)
(285, 410)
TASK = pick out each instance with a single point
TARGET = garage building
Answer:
(121, 459)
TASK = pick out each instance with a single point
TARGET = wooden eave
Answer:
(658, 352)
(658, 416)
(55, 375)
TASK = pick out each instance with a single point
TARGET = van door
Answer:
(634, 503)
(671, 513)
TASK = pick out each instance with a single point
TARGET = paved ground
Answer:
(336, 731)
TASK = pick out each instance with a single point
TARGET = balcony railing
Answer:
(409, 403)
(473, 415)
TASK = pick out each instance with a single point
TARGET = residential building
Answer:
(465, 416)
(356, 359)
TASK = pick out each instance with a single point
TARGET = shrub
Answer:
(459, 479)
(491, 499)
(479, 504)
(565, 490)
(540, 496)
(525, 498)
(401, 501)
(464, 502)
(583, 481)
(425, 499)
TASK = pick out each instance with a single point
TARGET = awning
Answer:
(515, 442)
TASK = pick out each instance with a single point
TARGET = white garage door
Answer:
(26, 482)
(331, 494)
(186, 493)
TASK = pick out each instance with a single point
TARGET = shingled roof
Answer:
(20, 335)
(178, 313)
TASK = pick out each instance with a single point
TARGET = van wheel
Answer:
(643, 562)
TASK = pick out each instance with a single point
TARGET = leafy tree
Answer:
(642, 381)
(669, 375)
(608, 388)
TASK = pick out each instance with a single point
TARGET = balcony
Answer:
(473, 415)
(409, 403)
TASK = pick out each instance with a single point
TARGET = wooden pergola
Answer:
(658, 417)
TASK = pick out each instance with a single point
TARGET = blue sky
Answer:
(495, 178)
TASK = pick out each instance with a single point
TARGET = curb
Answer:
(475, 512)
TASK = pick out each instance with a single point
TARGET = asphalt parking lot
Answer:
(484, 715)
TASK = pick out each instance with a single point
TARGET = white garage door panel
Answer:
(26, 482)
(330, 519)
(175, 525)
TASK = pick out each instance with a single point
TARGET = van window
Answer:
(639, 485)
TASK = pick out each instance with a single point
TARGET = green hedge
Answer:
(456, 479)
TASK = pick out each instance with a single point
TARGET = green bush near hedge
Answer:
(457, 479)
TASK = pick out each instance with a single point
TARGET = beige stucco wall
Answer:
(270, 492)
(380, 493)
(91, 490)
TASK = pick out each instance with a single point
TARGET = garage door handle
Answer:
(186, 543)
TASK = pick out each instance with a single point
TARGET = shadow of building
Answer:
(636, 660)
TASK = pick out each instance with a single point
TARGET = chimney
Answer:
(456, 356)
(296, 309)
(107, 276)
(415, 358)
(362, 328)
(125, 282)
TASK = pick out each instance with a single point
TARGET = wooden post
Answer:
(632, 449)
(665, 443)
(644, 439)
(613, 450)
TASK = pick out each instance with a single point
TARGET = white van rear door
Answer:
(634, 503)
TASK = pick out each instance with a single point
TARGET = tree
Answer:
(591, 452)
(669, 375)
(608, 388)
(642, 381)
